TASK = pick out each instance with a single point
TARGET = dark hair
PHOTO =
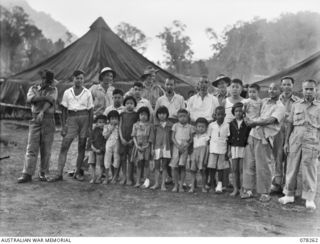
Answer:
(113, 114)
(170, 78)
(162, 110)
(191, 92)
(237, 81)
(129, 98)
(78, 72)
(138, 84)
(220, 108)
(100, 116)
(117, 91)
(236, 105)
(255, 86)
(144, 110)
(312, 81)
(287, 78)
(202, 121)
(182, 111)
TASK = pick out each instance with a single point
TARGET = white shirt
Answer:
(174, 105)
(72, 102)
(199, 107)
(111, 107)
(200, 140)
(144, 103)
(219, 136)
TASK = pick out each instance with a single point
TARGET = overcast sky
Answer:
(151, 16)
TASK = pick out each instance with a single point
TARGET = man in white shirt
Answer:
(173, 101)
(141, 102)
(77, 116)
(202, 104)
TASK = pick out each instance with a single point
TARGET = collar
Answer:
(292, 97)
(314, 102)
(269, 100)
(198, 94)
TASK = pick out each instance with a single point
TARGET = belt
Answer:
(79, 112)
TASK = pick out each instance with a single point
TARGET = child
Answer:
(218, 159)
(239, 133)
(162, 146)
(181, 138)
(252, 108)
(235, 91)
(128, 118)
(111, 133)
(142, 134)
(98, 148)
(199, 156)
(117, 98)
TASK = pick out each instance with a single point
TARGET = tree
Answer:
(177, 47)
(132, 36)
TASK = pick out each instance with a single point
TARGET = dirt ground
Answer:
(72, 208)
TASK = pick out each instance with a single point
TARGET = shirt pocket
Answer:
(315, 119)
(298, 116)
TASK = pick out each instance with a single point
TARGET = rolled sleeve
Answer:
(65, 99)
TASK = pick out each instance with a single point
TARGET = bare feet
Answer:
(191, 190)
(154, 187)
(137, 184)
(181, 188)
(129, 183)
(234, 193)
(92, 181)
(163, 188)
(123, 181)
(105, 182)
(204, 190)
(175, 189)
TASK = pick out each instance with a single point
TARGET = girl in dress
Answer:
(162, 146)
(142, 134)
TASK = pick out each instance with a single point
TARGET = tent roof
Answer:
(98, 48)
(308, 68)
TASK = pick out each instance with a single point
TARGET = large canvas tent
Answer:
(308, 68)
(98, 48)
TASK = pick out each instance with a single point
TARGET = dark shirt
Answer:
(238, 136)
(128, 120)
(97, 139)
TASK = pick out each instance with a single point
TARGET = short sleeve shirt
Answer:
(219, 137)
(174, 105)
(36, 91)
(75, 103)
(111, 107)
(199, 107)
(305, 117)
(274, 109)
(200, 140)
(143, 132)
(183, 133)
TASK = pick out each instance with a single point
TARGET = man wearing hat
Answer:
(76, 121)
(42, 126)
(222, 82)
(102, 92)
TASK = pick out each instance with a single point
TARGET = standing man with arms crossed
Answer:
(42, 127)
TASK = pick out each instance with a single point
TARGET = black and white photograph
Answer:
(159, 118)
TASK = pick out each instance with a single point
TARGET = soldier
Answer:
(302, 145)
(41, 130)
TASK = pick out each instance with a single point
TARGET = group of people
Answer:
(266, 144)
